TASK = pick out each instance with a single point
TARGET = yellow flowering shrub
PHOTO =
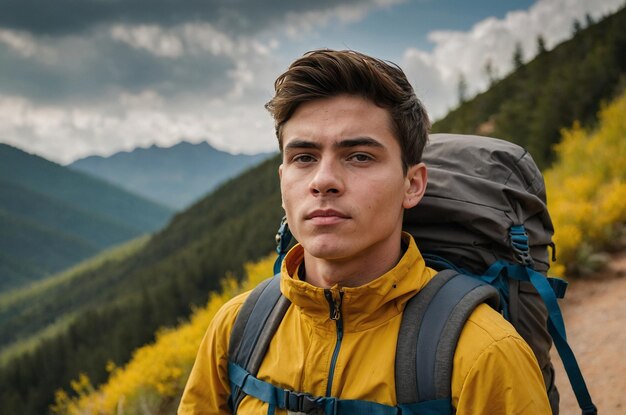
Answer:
(587, 188)
(153, 381)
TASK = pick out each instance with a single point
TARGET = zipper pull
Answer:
(334, 304)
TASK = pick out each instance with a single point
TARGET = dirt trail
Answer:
(595, 316)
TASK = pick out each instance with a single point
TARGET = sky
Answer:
(85, 77)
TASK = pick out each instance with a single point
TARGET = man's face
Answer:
(342, 181)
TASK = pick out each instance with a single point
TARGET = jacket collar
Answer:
(364, 306)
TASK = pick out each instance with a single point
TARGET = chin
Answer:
(325, 248)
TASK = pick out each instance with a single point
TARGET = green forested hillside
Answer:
(568, 83)
(24, 312)
(29, 251)
(123, 302)
(52, 217)
(42, 235)
(46, 210)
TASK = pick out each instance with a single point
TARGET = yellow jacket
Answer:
(495, 372)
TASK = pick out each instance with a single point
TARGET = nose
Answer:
(327, 179)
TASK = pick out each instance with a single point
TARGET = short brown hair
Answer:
(326, 73)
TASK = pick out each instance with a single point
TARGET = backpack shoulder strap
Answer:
(431, 324)
(254, 328)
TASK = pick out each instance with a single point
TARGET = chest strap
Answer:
(279, 398)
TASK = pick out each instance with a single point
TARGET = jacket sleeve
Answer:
(208, 389)
(502, 377)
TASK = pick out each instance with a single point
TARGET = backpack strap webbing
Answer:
(254, 327)
(431, 325)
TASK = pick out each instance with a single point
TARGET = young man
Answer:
(351, 132)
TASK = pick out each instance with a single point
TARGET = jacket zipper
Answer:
(335, 315)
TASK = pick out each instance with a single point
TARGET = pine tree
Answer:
(518, 56)
(541, 45)
(462, 89)
(490, 72)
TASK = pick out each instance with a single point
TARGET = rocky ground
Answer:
(595, 316)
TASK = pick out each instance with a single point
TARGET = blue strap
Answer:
(556, 327)
(502, 269)
(549, 289)
(281, 398)
(559, 286)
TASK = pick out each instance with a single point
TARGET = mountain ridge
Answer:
(175, 176)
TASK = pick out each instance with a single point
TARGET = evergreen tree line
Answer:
(569, 83)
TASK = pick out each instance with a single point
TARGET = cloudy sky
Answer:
(83, 77)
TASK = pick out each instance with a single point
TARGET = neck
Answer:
(355, 271)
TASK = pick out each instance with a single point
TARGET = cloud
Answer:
(146, 117)
(492, 40)
(63, 17)
(25, 45)
(299, 22)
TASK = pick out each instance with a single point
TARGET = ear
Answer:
(416, 179)
(280, 179)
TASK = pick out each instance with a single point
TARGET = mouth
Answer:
(326, 217)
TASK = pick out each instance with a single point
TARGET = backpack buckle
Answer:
(519, 242)
(300, 402)
(283, 236)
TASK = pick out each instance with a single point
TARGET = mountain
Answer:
(52, 217)
(123, 302)
(174, 176)
(558, 87)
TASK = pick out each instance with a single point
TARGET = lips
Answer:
(326, 216)
(325, 213)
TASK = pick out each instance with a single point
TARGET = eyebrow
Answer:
(347, 143)
(358, 142)
(297, 143)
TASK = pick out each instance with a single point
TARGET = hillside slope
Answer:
(45, 307)
(29, 251)
(558, 87)
(53, 217)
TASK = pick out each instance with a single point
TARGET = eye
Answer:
(303, 158)
(360, 157)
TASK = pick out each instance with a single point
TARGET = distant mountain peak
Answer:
(175, 176)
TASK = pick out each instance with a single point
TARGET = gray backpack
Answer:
(484, 214)
(483, 223)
